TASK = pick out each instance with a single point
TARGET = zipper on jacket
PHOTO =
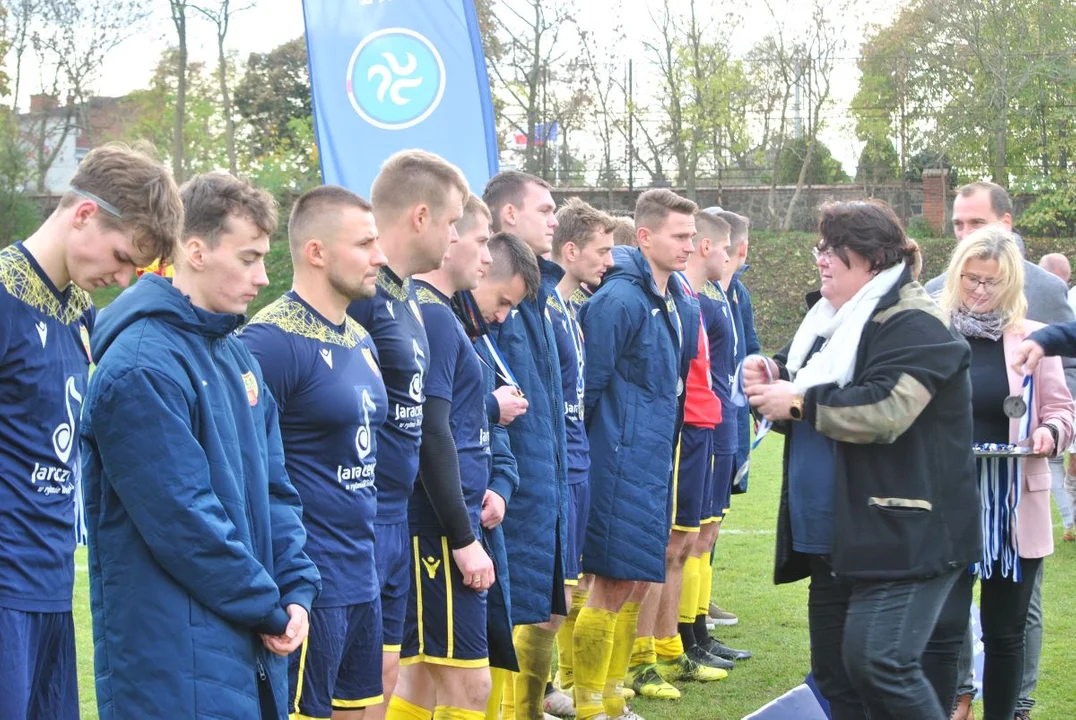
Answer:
(262, 676)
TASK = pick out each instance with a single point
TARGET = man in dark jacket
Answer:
(535, 522)
(199, 583)
(633, 383)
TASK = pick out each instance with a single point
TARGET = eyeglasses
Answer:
(971, 283)
(825, 254)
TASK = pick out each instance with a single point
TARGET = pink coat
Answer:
(1052, 405)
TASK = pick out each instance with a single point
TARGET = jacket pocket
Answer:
(900, 504)
(1038, 481)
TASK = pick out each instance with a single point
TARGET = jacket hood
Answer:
(551, 272)
(630, 265)
(155, 297)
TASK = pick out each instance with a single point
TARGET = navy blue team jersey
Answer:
(44, 366)
(572, 358)
(332, 405)
(393, 319)
(721, 331)
(455, 375)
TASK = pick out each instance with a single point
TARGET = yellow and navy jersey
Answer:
(44, 367)
(393, 319)
(332, 405)
(721, 331)
(570, 350)
(455, 376)
(157, 267)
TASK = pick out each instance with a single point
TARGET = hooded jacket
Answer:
(195, 532)
(632, 408)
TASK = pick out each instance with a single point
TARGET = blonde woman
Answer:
(984, 299)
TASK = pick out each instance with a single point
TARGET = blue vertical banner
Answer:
(388, 75)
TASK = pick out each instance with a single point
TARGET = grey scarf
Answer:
(989, 326)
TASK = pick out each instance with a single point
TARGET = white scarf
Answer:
(836, 361)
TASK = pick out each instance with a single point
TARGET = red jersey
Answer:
(702, 408)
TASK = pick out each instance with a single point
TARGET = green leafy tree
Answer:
(824, 169)
(274, 91)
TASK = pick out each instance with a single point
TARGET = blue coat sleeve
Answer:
(168, 496)
(607, 326)
(750, 337)
(1056, 339)
(504, 479)
(493, 409)
(296, 576)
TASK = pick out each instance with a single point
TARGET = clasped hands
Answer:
(771, 398)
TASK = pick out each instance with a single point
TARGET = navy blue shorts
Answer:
(37, 666)
(721, 497)
(338, 666)
(446, 620)
(692, 477)
(392, 548)
(578, 512)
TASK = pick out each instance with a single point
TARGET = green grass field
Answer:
(773, 620)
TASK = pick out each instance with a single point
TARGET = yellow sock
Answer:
(447, 712)
(706, 585)
(496, 686)
(400, 709)
(642, 652)
(564, 639)
(623, 637)
(689, 591)
(669, 648)
(593, 642)
(508, 696)
(534, 650)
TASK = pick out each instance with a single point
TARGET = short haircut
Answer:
(624, 233)
(578, 222)
(511, 257)
(739, 227)
(139, 188)
(869, 228)
(654, 206)
(708, 225)
(1000, 202)
(474, 210)
(317, 211)
(212, 199)
(508, 188)
(1057, 264)
(991, 242)
(413, 177)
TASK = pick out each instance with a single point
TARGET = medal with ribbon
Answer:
(739, 397)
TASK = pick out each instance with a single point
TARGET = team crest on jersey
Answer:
(251, 384)
(370, 361)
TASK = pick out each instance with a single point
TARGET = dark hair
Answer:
(869, 228)
(211, 199)
(507, 188)
(739, 226)
(578, 222)
(653, 206)
(137, 187)
(317, 209)
(1000, 202)
(511, 257)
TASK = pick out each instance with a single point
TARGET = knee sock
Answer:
(689, 600)
(534, 650)
(447, 712)
(493, 705)
(642, 652)
(699, 630)
(593, 652)
(669, 648)
(564, 639)
(706, 584)
(508, 696)
(400, 709)
(623, 637)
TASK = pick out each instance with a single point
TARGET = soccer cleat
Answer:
(627, 692)
(719, 649)
(702, 657)
(648, 683)
(559, 704)
(721, 617)
(684, 668)
(628, 714)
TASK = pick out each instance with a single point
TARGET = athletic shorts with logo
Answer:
(38, 673)
(446, 621)
(338, 666)
(392, 546)
(692, 477)
(578, 512)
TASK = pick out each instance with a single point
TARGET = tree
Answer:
(221, 15)
(274, 91)
(5, 43)
(179, 19)
(21, 215)
(823, 168)
(878, 163)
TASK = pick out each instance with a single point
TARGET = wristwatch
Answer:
(795, 410)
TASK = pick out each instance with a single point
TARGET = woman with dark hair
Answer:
(879, 501)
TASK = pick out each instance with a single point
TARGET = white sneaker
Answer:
(559, 704)
(629, 714)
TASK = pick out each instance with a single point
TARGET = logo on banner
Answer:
(396, 78)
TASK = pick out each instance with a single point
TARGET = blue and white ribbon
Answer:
(739, 396)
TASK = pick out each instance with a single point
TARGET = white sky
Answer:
(272, 22)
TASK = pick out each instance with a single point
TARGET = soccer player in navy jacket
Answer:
(418, 198)
(321, 367)
(122, 210)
